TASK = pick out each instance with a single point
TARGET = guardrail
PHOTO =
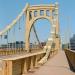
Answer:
(71, 58)
(4, 52)
(10, 51)
(14, 51)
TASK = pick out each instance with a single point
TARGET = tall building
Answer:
(72, 42)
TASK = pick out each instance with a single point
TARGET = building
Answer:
(17, 44)
(72, 42)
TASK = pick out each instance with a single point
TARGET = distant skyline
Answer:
(10, 9)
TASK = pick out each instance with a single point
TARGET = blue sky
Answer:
(10, 9)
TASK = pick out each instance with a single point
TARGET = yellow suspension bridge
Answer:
(26, 58)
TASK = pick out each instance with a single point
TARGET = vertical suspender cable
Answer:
(14, 43)
(7, 41)
(0, 42)
(69, 32)
(19, 32)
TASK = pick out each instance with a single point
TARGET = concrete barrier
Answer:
(71, 58)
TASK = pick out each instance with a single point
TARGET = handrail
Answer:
(70, 50)
(13, 51)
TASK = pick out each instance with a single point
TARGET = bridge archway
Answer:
(43, 28)
(31, 17)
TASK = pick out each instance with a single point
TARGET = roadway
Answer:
(57, 65)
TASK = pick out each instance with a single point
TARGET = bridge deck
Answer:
(57, 65)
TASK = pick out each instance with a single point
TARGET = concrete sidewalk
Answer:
(57, 65)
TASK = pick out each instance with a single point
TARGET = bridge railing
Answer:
(71, 58)
(11, 51)
(17, 49)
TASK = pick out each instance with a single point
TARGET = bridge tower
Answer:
(33, 13)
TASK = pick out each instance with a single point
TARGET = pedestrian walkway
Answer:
(57, 65)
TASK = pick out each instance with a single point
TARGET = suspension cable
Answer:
(14, 42)
(19, 32)
(14, 21)
(36, 36)
(7, 41)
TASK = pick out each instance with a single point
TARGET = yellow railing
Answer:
(10, 51)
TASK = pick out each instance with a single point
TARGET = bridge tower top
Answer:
(47, 11)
